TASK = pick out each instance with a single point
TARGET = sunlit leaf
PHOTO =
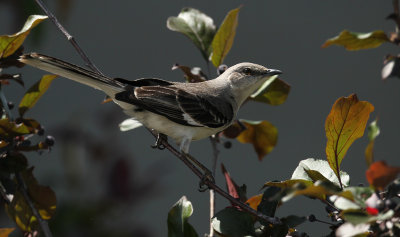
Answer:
(357, 41)
(345, 123)
(191, 75)
(254, 201)
(223, 39)
(4, 232)
(178, 216)
(391, 67)
(10, 43)
(197, 26)
(129, 124)
(373, 132)
(43, 198)
(360, 230)
(233, 222)
(289, 183)
(308, 169)
(34, 93)
(3, 143)
(379, 174)
(262, 134)
(274, 92)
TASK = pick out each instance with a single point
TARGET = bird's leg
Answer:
(207, 173)
(160, 137)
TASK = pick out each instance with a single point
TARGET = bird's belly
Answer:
(173, 130)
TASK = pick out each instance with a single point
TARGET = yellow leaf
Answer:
(262, 134)
(345, 123)
(34, 93)
(357, 41)
(10, 43)
(223, 39)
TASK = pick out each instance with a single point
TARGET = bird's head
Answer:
(246, 78)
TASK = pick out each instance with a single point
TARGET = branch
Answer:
(214, 144)
(70, 38)
(195, 170)
(42, 223)
(211, 185)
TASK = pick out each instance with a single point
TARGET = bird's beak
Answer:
(271, 72)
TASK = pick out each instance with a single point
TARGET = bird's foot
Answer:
(160, 138)
(207, 178)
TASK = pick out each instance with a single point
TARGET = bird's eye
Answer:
(247, 71)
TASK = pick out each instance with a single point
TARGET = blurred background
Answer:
(111, 183)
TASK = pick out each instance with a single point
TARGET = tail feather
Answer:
(73, 72)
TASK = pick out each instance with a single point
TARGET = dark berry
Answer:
(390, 204)
(227, 144)
(49, 140)
(221, 69)
(311, 218)
(10, 105)
(380, 205)
(40, 132)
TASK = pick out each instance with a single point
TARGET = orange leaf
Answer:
(262, 134)
(254, 201)
(4, 232)
(345, 123)
(380, 174)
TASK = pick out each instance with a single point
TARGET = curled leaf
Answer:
(262, 134)
(191, 75)
(254, 201)
(345, 123)
(357, 41)
(178, 217)
(391, 67)
(379, 174)
(233, 222)
(373, 132)
(34, 93)
(10, 43)
(197, 26)
(233, 189)
(274, 92)
(223, 39)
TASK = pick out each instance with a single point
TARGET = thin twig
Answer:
(195, 170)
(70, 38)
(214, 144)
(23, 189)
(5, 104)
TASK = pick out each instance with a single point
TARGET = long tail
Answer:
(73, 72)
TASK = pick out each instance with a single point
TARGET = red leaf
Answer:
(380, 174)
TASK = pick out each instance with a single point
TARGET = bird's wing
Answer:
(180, 106)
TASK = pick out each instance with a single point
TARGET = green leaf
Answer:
(197, 26)
(233, 223)
(34, 93)
(360, 230)
(274, 92)
(373, 132)
(223, 39)
(358, 216)
(43, 198)
(345, 123)
(357, 41)
(178, 216)
(262, 134)
(10, 43)
(308, 169)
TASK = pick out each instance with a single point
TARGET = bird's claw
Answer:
(158, 144)
(207, 178)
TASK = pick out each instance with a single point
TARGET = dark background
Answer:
(92, 160)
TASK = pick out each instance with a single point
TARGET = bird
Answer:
(179, 110)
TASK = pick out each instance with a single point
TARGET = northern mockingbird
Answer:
(182, 111)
